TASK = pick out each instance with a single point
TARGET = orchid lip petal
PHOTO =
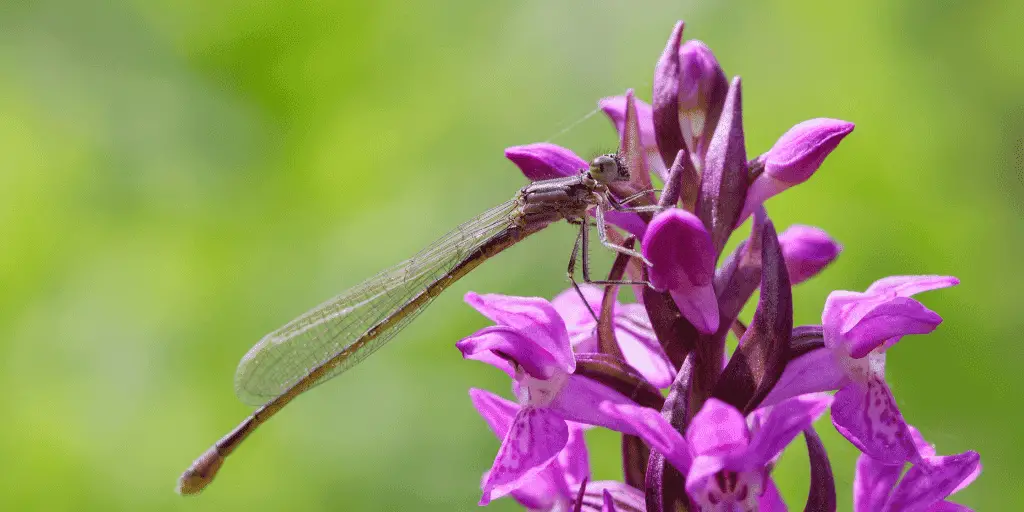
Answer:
(866, 414)
(534, 440)
(873, 482)
(933, 480)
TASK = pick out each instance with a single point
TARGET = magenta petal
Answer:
(717, 429)
(905, 286)
(897, 317)
(807, 250)
(580, 401)
(574, 460)
(933, 480)
(794, 158)
(655, 430)
(800, 151)
(702, 470)
(812, 372)
(679, 249)
(534, 440)
(544, 161)
(546, 490)
(499, 339)
(640, 346)
(534, 318)
(700, 306)
(496, 411)
(784, 422)
(771, 500)
(867, 416)
(872, 483)
(683, 261)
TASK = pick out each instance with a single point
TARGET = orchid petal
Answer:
(717, 429)
(784, 422)
(932, 481)
(682, 260)
(811, 372)
(807, 250)
(534, 440)
(770, 500)
(866, 414)
(794, 158)
(905, 286)
(580, 401)
(487, 343)
(872, 483)
(544, 161)
(533, 316)
(655, 430)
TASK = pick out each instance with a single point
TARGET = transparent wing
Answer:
(286, 355)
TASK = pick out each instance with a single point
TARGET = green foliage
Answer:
(178, 178)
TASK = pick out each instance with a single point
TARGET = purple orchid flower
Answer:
(683, 262)
(711, 443)
(530, 343)
(858, 328)
(633, 330)
(924, 488)
(551, 487)
(807, 250)
(794, 159)
(725, 463)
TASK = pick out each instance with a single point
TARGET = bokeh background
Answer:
(178, 178)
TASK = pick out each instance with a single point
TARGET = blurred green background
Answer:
(179, 178)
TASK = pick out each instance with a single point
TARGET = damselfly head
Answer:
(608, 168)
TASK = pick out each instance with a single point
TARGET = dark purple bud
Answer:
(763, 352)
(807, 250)
(665, 98)
(794, 158)
(702, 91)
(723, 187)
(543, 161)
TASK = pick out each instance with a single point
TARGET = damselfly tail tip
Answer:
(200, 473)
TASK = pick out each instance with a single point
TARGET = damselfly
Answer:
(339, 333)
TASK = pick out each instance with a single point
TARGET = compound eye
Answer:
(604, 168)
